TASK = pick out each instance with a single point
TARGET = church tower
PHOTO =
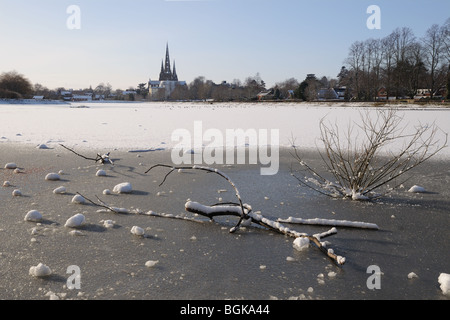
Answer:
(168, 79)
(166, 71)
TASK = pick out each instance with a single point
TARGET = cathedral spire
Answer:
(174, 74)
(167, 68)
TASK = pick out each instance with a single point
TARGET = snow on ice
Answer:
(300, 122)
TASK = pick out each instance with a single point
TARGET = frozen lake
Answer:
(203, 260)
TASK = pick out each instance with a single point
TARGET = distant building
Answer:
(168, 80)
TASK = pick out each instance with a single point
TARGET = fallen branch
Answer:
(99, 158)
(221, 210)
(242, 213)
(332, 222)
(245, 214)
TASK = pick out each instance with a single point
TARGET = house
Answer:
(327, 94)
(381, 94)
(265, 95)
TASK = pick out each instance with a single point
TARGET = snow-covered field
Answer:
(143, 126)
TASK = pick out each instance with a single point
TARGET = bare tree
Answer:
(14, 85)
(362, 162)
(433, 46)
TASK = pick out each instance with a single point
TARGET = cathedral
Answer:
(168, 79)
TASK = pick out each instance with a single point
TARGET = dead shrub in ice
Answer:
(369, 155)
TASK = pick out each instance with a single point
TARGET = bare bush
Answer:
(14, 85)
(367, 156)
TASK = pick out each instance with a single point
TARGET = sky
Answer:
(123, 42)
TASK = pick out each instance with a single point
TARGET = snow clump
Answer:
(444, 280)
(417, 189)
(78, 199)
(151, 263)
(33, 216)
(52, 177)
(60, 190)
(10, 165)
(138, 231)
(301, 243)
(101, 173)
(41, 270)
(75, 221)
(108, 224)
(124, 187)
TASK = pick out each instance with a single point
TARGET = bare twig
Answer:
(101, 204)
(99, 158)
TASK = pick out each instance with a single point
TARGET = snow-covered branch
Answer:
(213, 211)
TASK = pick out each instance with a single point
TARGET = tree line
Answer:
(400, 63)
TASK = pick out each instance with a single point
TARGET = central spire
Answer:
(167, 68)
